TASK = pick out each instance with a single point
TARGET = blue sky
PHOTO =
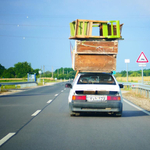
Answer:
(37, 31)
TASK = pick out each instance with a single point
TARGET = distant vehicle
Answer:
(95, 92)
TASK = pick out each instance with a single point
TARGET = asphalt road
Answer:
(38, 119)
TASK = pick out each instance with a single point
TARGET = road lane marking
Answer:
(6, 138)
(56, 94)
(49, 101)
(37, 112)
(62, 91)
(146, 112)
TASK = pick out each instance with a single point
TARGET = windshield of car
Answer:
(100, 78)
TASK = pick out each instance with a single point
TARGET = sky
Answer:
(37, 31)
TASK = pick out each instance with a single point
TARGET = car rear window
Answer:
(100, 78)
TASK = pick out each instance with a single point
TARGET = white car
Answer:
(95, 92)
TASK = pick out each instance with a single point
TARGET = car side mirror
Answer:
(68, 85)
(121, 85)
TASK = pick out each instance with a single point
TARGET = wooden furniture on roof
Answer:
(82, 29)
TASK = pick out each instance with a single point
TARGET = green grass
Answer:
(10, 87)
(6, 88)
(47, 80)
(127, 88)
(1, 81)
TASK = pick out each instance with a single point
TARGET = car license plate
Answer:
(96, 98)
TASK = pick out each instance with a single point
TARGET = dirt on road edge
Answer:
(137, 99)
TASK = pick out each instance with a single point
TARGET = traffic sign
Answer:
(127, 60)
(142, 58)
(142, 64)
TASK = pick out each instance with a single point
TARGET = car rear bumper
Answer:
(109, 106)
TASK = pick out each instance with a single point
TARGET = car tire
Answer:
(74, 114)
(119, 114)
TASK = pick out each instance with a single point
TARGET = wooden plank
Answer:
(76, 29)
(96, 53)
(87, 37)
(93, 37)
(90, 30)
(76, 74)
(83, 29)
(103, 47)
(95, 63)
(94, 21)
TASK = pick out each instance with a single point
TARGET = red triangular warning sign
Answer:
(142, 58)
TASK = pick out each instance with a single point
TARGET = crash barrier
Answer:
(139, 88)
(22, 84)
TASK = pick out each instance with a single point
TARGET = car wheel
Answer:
(118, 114)
(74, 114)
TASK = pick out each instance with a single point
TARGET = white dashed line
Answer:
(56, 94)
(49, 101)
(146, 112)
(62, 91)
(37, 112)
(6, 138)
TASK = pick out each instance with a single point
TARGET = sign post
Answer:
(127, 61)
(142, 60)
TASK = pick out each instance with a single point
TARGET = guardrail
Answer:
(141, 89)
(22, 84)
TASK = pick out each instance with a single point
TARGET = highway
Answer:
(38, 119)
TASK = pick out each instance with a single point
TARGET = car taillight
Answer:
(74, 97)
(113, 98)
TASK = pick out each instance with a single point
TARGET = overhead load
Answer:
(82, 29)
(95, 56)
(95, 53)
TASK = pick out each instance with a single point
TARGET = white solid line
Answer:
(6, 138)
(56, 94)
(37, 112)
(146, 112)
(49, 101)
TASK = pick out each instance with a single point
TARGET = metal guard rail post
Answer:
(142, 89)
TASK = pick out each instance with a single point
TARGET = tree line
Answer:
(61, 73)
(146, 72)
(21, 69)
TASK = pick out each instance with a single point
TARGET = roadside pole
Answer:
(142, 75)
(142, 65)
(52, 72)
(127, 61)
(40, 72)
(127, 72)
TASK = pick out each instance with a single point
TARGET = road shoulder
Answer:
(136, 99)
(11, 91)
